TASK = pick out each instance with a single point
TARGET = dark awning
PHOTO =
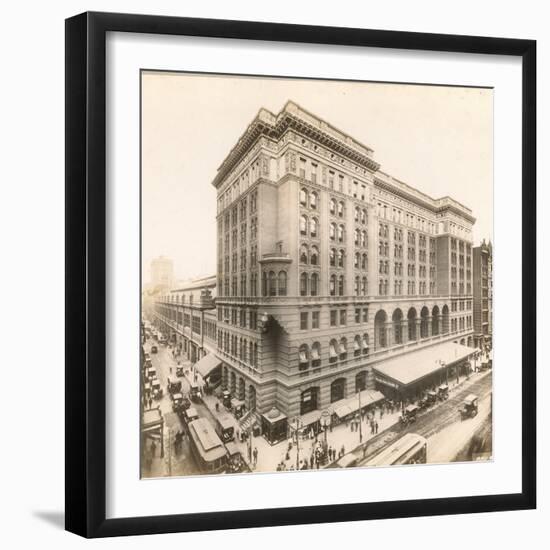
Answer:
(207, 364)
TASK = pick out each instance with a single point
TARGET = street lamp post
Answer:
(296, 423)
(325, 422)
(360, 420)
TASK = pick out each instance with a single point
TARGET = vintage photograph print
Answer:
(316, 267)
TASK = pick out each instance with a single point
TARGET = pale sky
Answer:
(437, 139)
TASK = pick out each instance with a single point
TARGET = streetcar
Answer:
(409, 449)
(207, 448)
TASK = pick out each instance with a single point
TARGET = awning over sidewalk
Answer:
(310, 418)
(207, 364)
(351, 405)
(412, 367)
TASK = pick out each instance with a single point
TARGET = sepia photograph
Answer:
(316, 274)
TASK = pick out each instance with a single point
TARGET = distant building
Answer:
(483, 294)
(162, 272)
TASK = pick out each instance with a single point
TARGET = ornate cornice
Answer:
(294, 117)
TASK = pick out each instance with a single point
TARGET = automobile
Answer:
(177, 402)
(156, 388)
(226, 399)
(154, 349)
(151, 373)
(408, 416)
(191, 414)
(179, 371)
(443, 392)
(469, 407)
(174, 388)
(431, 397)
(148, 363)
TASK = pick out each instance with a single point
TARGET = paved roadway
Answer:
(431, 421)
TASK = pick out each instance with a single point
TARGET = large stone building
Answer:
(483, 294)
(332, 276)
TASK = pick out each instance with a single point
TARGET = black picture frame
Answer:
(86, 273)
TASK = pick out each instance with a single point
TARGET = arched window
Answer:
(397, 319)
(332, 286)
(357, 346)
(314, 256)
(303, 225)
(332, 206)
(332, 257)
(314, 290)
(272, 284)
(356, 260)
(364, 261)
(303, 284)
(333, 351)
(340, 233)
(341, 285)
(380, 329)
(424, 314)
(357, 237)
(445, 314)
(313, 224)
(361, 381)
(357, 214)
(303, 197)
(357, 286)
(313, 200)
(363, 216)
(365, 344)
(435, 321)
(364, 241)
(364, 287)
(316, 354)
(282, 283)
(341, 209)
(332, 231)
(340, 258)
(338, 390)
(303, 254)
(303, 357)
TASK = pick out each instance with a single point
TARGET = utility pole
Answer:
(360, 420)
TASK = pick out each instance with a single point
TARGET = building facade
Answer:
(327, 266)
(187, 315)
(483, 294)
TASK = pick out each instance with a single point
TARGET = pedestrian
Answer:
(153, 448)
(255, 454)
(311, 461)
(376, 427)
(150, 403)
(170, 370)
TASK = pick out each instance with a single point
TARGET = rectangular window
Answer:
(304, 320)
(343, 317)
(315, 319)
(357, 315)
(365, 315)
(333, 318)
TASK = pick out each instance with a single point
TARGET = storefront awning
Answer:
(342, 411)
(207, 364)
(410, 368)
(310, 418)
